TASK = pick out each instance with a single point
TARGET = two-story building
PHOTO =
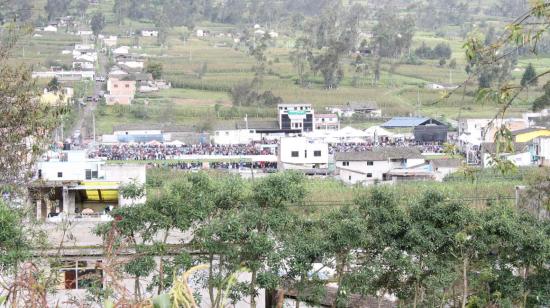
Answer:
(306, 154)
(381, 164)
(328, 121)
(68, 185)
(121, 91)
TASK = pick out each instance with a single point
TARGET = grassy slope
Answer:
(397, 93)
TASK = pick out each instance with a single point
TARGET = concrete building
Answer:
(326, 121)
(521, 155)
(121, 91)
(445, 166)
(65, 75)
(68, 185)
(530, 133)
(381, 164)
(149, 33)
(541, 147)
(300, 153)
(295, 117)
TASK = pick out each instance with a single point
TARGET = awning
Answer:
(99, 191)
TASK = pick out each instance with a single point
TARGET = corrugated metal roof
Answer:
(379, 154)
(405, 122)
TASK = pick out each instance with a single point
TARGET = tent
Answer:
(377, 131)
(350, 132)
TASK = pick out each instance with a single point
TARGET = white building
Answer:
(542, 150)
(303, 153)
(84, 47)
(520, 157)
(122, 50)
(381, 164)
(443, 167)
(296, 117)
(149, 33)
(132, 64)
(82, 186)
(110, 41)
(65, 75)
(50, 28)
(83, 65)
(328, 121)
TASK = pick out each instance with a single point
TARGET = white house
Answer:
(327, 121)
(149, 33)
(84, 47)
(520, 157)
(50, 28)
(83, 65)
(110, 41)
(122, 50)
(91, 57)
(381, 164)
(82, 185)
(441, 86)
(445, 166)
(132, 64)
(84, 32)
(542, 150)
(302, 153)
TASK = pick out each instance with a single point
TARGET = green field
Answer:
(400, 90)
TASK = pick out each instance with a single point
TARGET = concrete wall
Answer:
(305, 149)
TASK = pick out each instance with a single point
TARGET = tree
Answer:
(299, 57)
(154, 68)
(97, 23)
(57, 8)
(53, 85)
(529, 77)
(393, 34)
(542, 101)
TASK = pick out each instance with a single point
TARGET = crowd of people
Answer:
(368, 146)
(167, 152)
(216, 165)
(164, 152)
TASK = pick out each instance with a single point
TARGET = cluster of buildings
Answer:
(530, 134)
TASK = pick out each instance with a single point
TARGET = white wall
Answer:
(235, 136)
(359, 170)
(302, 146)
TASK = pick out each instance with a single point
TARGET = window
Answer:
(80, 275)
(370, 163)
(345, 163)
(115, 86)
(317, 153)
(369, 175)
(301, 108)
(60, 174)
(94, 174)
(88, 174)
(305, 153)
(127, 86)
(294, 154)
(349, 177)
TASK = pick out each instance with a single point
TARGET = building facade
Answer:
(326, 122)
(121, 91)
(300, 153)
(380, 164)
(298, 117)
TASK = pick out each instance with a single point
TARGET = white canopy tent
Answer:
(377, 131)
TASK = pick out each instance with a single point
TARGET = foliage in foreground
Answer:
(432, 251)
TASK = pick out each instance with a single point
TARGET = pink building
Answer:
(326, 121)
(121, 91)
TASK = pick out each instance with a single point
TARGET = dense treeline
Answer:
(429, 251)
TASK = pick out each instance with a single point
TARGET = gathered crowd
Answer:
(163, 152)
(368, 146)
(217, 165)
(166, 152)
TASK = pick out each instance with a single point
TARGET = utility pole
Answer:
(93, 126)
